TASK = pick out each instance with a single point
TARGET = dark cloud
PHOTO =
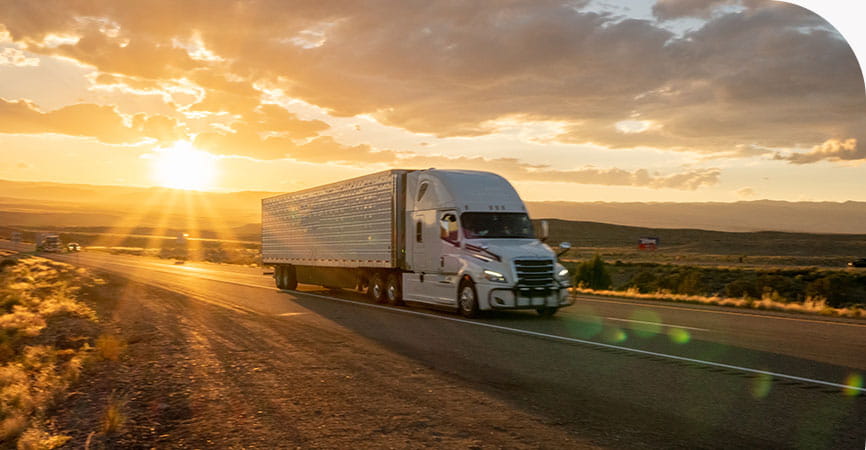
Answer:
(765, 75)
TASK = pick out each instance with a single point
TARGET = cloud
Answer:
(271, 132)
(518, 170)
(84, 120)
(11, 56)
(675, 9)
(759, 75)
(747, 192)
(830, 150)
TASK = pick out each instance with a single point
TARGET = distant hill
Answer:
(57, 204)
(761, 215)
(595, 235)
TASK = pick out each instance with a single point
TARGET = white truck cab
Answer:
(472, 246)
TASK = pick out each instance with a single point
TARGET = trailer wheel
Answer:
(278, 277)
(393, 290)
(377, 288)
(467, 299)
(286, 278)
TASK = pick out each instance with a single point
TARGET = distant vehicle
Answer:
(858, 263)
(453, 239)
(49, 243)
(73, 247)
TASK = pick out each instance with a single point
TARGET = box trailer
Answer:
(448, 238)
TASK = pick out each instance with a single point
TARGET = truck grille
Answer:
(534, 273)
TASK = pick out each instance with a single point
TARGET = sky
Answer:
(580, 100)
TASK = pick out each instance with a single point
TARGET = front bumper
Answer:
(528, 298)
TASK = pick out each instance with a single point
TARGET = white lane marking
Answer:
(730, 313)
(592, 343)
(668, 325)
(560, 338)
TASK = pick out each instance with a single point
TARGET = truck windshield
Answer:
(482, 225)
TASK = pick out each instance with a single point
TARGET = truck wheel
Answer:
(377, 288)
(393, 290)
(287, 279)
(467, 299)
(279, 277)
(546, 312)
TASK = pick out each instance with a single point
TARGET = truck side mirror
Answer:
(563, 247)
(545, 231)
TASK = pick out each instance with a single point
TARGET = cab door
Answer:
(445, 260)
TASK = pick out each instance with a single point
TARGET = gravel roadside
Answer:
(196, 375)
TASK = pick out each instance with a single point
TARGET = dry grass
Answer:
(37, 439)
(767, 302)
(109, 347)
(37, 304)
(114, 418)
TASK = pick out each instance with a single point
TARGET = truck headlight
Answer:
(494, 276)
(563, 274)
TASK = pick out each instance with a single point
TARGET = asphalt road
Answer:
(620, 373)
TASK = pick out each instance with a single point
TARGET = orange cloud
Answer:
(84, 120)
(757, 75)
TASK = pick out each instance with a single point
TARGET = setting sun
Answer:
(181, 166)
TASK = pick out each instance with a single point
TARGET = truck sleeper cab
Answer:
(459, 240)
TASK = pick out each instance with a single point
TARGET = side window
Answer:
(421, 191)
(448, 229)
(418, 235)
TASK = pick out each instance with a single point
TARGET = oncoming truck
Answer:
(453, 239)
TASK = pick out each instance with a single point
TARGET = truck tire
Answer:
(393, 290)
(377, 288)
(286, 278)
(467, 299)
(279, 278)
(546, 312)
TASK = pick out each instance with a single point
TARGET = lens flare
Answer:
(614, 335)
(646, 324)
(587, 325)
(762, 385)
(679, 336)
(854, 380)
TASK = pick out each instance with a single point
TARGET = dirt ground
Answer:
(196, 375)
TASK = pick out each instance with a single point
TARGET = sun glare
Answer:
(181, 166)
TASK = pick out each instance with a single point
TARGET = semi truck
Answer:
(452, 239)
(49, 243)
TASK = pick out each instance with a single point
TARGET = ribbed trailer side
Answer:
(346, 224)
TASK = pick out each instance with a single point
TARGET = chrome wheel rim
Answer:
(377, 290)
(392, 292)
(466, 299)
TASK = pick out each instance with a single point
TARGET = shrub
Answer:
(689, 283)
(838, 290)
(593, 274)
(6, 263)
(113, 418)
(644, 282)
(742, 289)
(109, 347)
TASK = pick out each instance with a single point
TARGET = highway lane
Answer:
(639, 398)
(679, 329)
